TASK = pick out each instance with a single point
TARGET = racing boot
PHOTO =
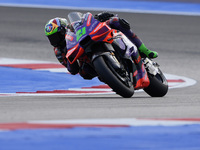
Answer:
(145, 52)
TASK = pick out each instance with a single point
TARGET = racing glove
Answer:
(60, 55)
(104, 16)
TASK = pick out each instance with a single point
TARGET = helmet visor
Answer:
(55, 39)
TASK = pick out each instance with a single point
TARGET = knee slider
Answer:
(124, 24)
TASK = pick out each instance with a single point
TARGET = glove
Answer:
(60, 55)
(103, 16)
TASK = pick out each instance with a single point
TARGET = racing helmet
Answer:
(55, 30)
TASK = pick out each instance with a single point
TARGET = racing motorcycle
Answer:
(107, 52)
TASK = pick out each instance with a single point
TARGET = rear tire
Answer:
(111, 79)
(158, 85)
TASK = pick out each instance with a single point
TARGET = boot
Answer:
(145, 52)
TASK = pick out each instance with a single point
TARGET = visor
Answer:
(55, 39)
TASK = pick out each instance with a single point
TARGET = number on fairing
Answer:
(80, 33)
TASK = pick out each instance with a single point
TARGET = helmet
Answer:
(55, 30)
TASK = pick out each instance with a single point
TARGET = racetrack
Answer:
(176, 38)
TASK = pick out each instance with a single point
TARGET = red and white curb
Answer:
(174, 81)
(118, 122)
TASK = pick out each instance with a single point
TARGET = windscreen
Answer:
(74, 16)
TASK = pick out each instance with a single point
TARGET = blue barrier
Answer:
(117, 5)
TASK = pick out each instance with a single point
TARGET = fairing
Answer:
(85, 26)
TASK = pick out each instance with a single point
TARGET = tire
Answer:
(111, 79)
(158, 85)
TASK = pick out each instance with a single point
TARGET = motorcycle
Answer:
(107, 51)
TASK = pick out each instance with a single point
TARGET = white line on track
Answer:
(121, 121)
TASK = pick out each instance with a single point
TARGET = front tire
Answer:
(111, 79)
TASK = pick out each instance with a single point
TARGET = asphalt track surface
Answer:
(176, 38)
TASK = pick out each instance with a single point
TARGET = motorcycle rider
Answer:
(57, 28)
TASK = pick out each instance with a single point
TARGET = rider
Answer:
(56, 29)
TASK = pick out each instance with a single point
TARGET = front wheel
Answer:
(158, 85)
(112, 78)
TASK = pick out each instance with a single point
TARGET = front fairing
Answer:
(87, 25)
(83, 25)
(70, 40)
(74, 51)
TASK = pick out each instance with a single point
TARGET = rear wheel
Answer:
(158, 85)
(118, 81)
